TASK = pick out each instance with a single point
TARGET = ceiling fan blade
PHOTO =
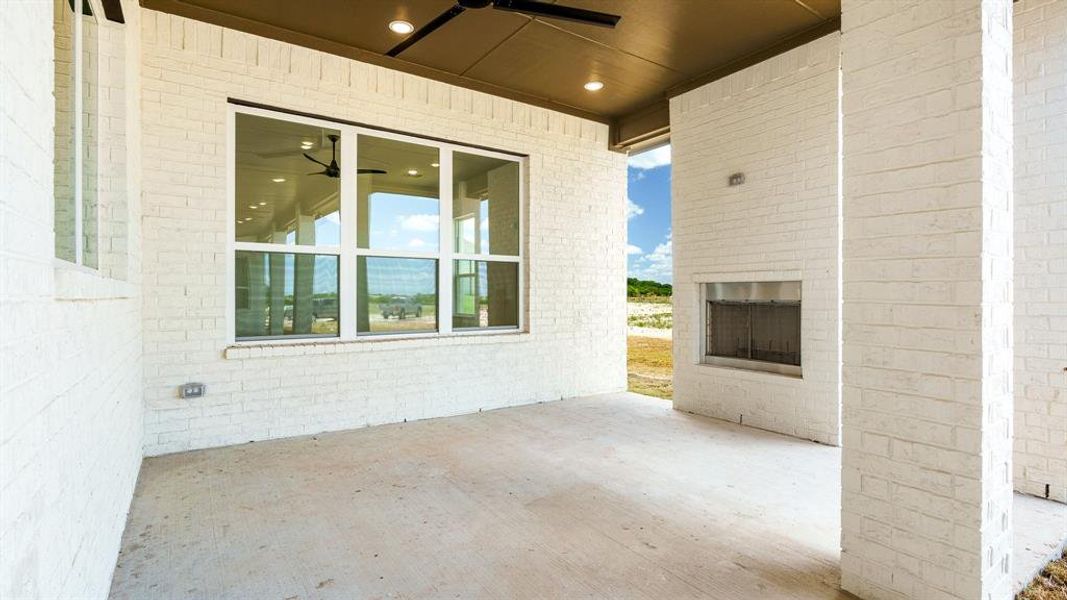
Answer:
(315, 160)
(319, 173)
(426, 30)
(555, 11)
(370, 172)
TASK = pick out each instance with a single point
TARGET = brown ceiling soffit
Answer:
(643, 128)
(813, 33)
(177, 7)
(651, 125)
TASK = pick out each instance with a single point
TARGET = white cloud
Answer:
(416, 243)
(419, 222)
(633, 209)
(631, 249)
(655, 265)
(650, 159)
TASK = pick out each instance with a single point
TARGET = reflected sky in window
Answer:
(404, 222)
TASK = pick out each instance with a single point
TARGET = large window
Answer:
(344, 232)
(76, 64)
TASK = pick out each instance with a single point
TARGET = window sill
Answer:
(75, 282)
(305, 347)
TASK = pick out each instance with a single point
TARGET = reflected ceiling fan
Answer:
(533, 8)
(332, 170)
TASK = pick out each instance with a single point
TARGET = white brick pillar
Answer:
(1041, 248)
(927, 350)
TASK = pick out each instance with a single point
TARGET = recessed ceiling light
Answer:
(306, 145)
(262, 203)
(413, 172)
(594, 86)
(401, 27)
(435, 165)
(253, 206)
(278, 180)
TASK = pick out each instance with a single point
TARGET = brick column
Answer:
(1041, 248)
(927, 349)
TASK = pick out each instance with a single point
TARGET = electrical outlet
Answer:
(192, 390)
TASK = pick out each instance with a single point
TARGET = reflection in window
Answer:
(397, 295)
(485, 205)
(466, 242)
(283, 196)
(486, 294)
(286, 194)
(76, 46)
(399, 196)
(90, 53)
(64, 132)
(280, 294)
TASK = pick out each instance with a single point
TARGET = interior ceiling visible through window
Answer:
(658, 49)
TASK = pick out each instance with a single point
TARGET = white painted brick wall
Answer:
(70, 345)
(927, 363)
(576, 256)
(1041, 248)
(776, 122)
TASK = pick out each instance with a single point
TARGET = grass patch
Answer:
(654, 321)
(650, 299)
(650, 364)
(1050, 584)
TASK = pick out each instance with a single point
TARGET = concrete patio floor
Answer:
(606, 496)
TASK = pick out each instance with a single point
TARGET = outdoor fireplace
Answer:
(753, 325)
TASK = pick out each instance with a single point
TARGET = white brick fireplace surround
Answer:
(777, 122)
(575, 256)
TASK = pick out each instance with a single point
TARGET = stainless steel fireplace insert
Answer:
(753, 325)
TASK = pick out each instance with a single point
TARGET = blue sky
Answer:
(648, 205)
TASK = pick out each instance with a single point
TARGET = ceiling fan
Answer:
(332, 170)
(534, 8)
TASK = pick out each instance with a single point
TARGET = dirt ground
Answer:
(649, 364)
(1051, 584)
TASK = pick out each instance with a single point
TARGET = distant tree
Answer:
(638, 288)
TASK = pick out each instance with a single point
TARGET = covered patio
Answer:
(612, 495)
(331, 303)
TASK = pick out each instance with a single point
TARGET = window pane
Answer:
(397, 295)
(284, 197)
(486, 294)
(279, 294)
(399, 195)
(485, 205)
(90, 138)
(63, 21)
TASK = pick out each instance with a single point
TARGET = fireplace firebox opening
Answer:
(753, 325)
